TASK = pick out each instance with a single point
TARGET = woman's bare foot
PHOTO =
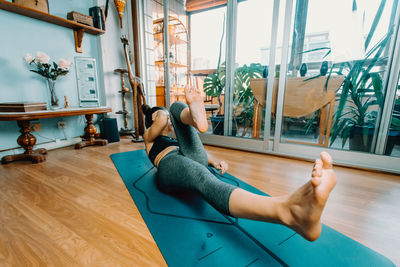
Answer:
(302, 210)
(195, 100)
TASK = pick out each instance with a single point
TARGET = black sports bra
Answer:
(160, 143)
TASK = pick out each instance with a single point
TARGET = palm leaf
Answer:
(375, 23)
(346, 133)
(315, 49)
(395, 123)
(377, 85)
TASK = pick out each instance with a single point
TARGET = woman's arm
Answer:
(222, 165)
(160, 121)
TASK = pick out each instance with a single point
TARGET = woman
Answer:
(182, 166)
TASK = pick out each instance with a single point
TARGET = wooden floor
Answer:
(74, 208)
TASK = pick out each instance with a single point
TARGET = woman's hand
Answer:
(160, 121)
(222, 165)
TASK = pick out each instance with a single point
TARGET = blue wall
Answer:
(21, 35)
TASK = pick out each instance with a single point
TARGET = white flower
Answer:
(28, 58)
(42, 57)
(64, 63)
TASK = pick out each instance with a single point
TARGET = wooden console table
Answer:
(27, 140)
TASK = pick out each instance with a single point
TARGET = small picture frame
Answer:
(39, 5)
(86, 78)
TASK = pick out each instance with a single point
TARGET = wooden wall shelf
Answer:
(79, 29)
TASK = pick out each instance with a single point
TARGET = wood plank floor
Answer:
(74, 209)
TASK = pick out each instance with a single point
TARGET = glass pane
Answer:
(393, 141)
(336, 65)
(208, 39)
(254, 24)
(178, 51)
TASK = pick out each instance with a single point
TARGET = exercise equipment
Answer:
(190, 232)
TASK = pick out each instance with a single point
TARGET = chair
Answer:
(208, 100)
(209, 106)
(301, 98)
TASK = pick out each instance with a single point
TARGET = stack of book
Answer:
(81, 18)
(22, 106)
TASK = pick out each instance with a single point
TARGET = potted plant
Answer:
(51, 71)
(243, 99)
(360, 97)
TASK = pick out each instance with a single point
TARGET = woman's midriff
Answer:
(163, 153)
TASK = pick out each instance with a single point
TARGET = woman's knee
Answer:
(176, 109)
(202, 176)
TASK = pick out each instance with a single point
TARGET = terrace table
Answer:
(302, 97)
(27, 140)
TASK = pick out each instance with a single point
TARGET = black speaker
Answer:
(109, 129)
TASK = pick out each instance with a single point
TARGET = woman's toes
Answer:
(316, 181)
(326, 160)
(317, 170)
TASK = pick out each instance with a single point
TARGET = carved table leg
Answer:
(90, 135)
(27, 141)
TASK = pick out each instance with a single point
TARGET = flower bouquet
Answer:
(50, 71)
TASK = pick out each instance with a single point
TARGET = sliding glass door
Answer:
(392, 147)
(208, 67)
(250, 69)
(242, 74)
(337, 67)
(294, 77)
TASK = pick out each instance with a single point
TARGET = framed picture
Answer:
(39, 5)
(86, 77)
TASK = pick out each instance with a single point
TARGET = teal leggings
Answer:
(185, 170)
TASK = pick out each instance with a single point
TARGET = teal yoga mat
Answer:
(190, 232)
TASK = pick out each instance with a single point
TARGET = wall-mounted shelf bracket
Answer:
(78, 36)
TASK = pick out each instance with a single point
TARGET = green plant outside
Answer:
(361, 93)
(360, 97)
(243, 99)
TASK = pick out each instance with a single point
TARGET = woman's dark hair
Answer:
(148, 114)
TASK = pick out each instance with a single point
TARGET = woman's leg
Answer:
(301, 211)
(178, 173)
(189, 141)
(186, 119)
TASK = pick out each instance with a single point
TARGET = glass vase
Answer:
(53, 103)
